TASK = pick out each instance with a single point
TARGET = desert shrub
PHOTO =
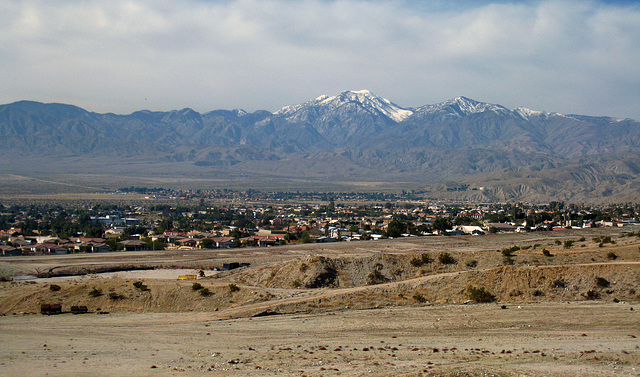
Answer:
(54, 288)
(615, 299)
(422, 260)
(304, 267)
(480, 294)
(558, 283)
(515, 292)
(612, 256)
(568, 244)
(375, 277)
(508, 260)
(140, 286)
(582, 239)
(201, 273)
(233, 288)
(446, 258)
(95, 292)
(419, 298)
(204, 292)
(297, 283)
(558, 242)
(592, 295)
(508, 251)
(472, 263)
(546, 253)
(537, 293)
(535, 246)
(196, 286)
(603, 239)
(114, 296)
(602, 282)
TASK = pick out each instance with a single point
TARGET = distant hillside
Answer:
(354, 136)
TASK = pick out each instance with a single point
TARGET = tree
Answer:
(442, 224)
(207, 243)
(396, 228)
(305, 237)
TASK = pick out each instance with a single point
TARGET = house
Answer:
(133, 245)
(9, 251)
(501, 227)
(99, 248)
(471, 229)
(190, 242)
(48, 248)
(223, 242)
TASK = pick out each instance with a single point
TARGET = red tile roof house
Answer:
(49, 248)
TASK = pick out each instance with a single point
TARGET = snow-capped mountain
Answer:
(356, 132)
(461, 106)
(362, 98)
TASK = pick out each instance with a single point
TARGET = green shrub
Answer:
(446, 258)
(480, 294)
(507, 252)
(604, 239)
(196, 286)
(419, 298)
(233, 288)
(422, 260)
(546, 253)
(568, 244)
(205, 292)
(140, 286)
(602, 282)
(114, 296)
(558, 283)
(95, 292)
(376, 277)
(54, 288)
(537, 293)
(612, 256)
(472, 263)
(592, 295)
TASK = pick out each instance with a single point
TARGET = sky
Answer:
(571, 57)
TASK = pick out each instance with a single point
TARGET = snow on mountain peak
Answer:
(461, 106)
(527, 113)
(363, 97)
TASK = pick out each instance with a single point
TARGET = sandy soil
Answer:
(548, 339)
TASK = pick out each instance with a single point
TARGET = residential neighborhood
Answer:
(196, 220)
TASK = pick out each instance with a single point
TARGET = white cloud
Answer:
(120, 56)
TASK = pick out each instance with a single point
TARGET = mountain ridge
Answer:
(372, 137)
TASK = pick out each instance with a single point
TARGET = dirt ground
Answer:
(310, 310)
(542, 339)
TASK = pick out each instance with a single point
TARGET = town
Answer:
(188, 219)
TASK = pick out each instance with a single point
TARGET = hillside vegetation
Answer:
(453, 270)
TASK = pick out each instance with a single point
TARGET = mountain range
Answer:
(458, 149)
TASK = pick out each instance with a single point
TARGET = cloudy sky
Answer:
(120, 56)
